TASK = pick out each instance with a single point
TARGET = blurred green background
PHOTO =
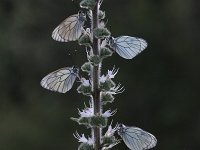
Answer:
(162, 83)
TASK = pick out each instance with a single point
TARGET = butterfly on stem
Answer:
(60, 80)
(70, 29)
(136, 138)
(126, 46)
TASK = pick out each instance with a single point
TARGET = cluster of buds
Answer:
(90, 120)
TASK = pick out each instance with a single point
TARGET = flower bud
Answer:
(85, 146)
(86, 67)
(107, 85)
(102, 15)
(88, 4)
(107, 98)
(85, 40)
(101, 33)
(85, 90)
(98, 121)
(82, 120)
(108, 140)
(105, 52)
(95, 60)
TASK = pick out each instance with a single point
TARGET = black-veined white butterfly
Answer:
(70, 29)
(126, 46)
(60, 80)
(136, 138)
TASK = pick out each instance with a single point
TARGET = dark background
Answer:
(162, 84)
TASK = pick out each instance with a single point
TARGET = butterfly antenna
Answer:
(110, 28)
(106, 22)
(79, 78)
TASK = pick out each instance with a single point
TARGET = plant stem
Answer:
(95, 78)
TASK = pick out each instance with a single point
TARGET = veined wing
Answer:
(128, 47)
(136, 138)
(60, 80)
(70, 29)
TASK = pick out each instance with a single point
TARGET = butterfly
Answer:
(136, 138)
(70, 29)
(126, 46)
(60, 80)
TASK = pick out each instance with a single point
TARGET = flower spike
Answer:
(89, 28)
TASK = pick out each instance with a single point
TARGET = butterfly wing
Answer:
(128, 47)
(70, 29)
(60, 80)
(137, 139)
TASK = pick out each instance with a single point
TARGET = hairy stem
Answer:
(95, 78)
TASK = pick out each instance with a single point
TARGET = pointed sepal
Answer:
(107, 98)
(86, 67)
(85, 88)
(105, 52)
(88, 4)
(95, 60)
(101, 33)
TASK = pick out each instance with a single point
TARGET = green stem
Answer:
(95, 78)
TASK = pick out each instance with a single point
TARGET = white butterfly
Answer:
(126, 46)
(136, 138)
(70, 29)
(60, 80)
